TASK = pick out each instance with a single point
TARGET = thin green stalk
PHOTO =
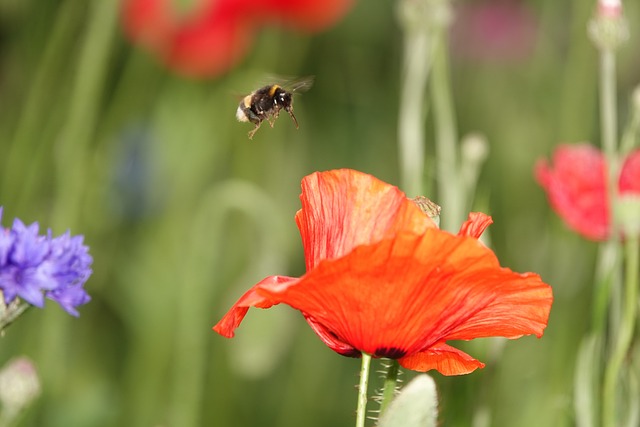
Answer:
(417, 58)
(24, 156)
(230, 198)
(632, 130)
(608, 112)
(72, 153)
(625, 335)
(71, 160)
(450, 190)
(417, 55)
(10, 313)
(607, 273)
(608, 121)
(362, 390)
(390, 382)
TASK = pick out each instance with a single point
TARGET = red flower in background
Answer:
(494, 31)
(383, 279)
(216, 34)
(576, 187)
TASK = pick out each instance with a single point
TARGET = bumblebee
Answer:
(265, 103)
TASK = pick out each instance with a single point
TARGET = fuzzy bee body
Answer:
(266, 102)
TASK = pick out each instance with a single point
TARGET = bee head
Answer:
(284, 99)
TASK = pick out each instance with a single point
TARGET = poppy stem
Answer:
(450, 189)
(625, 333)
(417, 58)
(362, 390)
(390, 382)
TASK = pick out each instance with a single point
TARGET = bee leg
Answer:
(293, 117)
(251, 133)
(271, 118)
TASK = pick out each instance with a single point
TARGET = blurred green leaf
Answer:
(415, 406)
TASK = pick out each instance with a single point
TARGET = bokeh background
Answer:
(183, 213)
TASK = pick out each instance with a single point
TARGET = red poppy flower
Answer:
(383, 279)
(216, 34)
(576, 187)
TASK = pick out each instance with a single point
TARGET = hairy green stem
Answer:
(390, 382)
(362, 390)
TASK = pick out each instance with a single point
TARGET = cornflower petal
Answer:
(69, 298)
(34, 265)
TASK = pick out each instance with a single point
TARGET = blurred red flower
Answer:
(213, 36)
(383, 279)
(576, 187)
(494, 31)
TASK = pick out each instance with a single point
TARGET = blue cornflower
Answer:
(33, 266)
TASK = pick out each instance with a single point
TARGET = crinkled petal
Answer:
(402, 295)
(575, 186)
(228, 324)
(26, 284)
(29, 248)
(630, 174)
(6, 243)
(343, 208)
(69, 298)
(442, 357)
(475, 225)
(331, 340)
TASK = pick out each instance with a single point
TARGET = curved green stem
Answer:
(625, 335)
(606, 275)
(362, 390)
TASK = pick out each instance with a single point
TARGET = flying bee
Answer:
(265, 103)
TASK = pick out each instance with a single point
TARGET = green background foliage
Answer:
(183, 213)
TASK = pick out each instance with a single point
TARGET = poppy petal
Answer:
(308, 15)
(331, 340)
(442, 357)
(475, 225)
(228, 324)
(575, 186)
(630, 174)
(401, 296)
(342, 209)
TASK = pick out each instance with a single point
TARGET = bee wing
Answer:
(289, 83)
(301, 84)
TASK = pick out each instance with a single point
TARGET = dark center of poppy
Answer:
(350, 353)
(390, 352)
